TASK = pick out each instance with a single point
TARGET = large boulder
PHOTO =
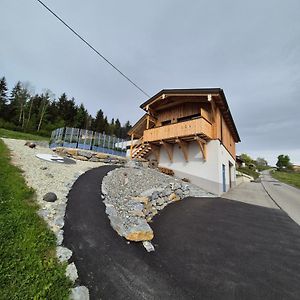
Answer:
(139, 232)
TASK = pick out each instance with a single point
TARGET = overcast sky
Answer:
(251, 49)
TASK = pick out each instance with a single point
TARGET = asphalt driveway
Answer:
(206, 248)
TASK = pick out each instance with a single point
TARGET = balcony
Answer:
(183, 130)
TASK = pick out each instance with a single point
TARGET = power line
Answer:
(90, 46)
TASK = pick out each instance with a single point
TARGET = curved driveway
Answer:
(206, 248)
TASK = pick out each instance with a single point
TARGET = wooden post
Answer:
(148, 121)
(131, 146)
(169, 149)
(184, 147)
(202, 146)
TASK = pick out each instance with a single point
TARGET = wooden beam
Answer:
(213, 110)
(148, 121)
(131, 145)
(184, 148)
(202, 146)
(169, 149)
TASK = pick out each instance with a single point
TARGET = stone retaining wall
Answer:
(86, 155)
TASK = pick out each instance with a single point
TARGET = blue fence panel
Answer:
(86, 139)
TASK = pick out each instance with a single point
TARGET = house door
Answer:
(224, 178)
(230, 171)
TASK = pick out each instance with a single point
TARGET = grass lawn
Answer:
(289, 178)
(28, 266)
(21, 135)
(249, 172)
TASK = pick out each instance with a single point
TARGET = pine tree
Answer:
(3, 96)
(13, 106)
(117, 128)
(99, 122)
(80, 117)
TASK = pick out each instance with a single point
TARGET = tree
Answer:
(260, 161)
(80, 117)
(13, 106)
(3, 96)
(99, 122)
(283, 162)
(247, 159)
(117, 128)
(46, 101)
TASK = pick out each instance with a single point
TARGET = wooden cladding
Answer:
(223, 133)
(177, 130)
(172, 114)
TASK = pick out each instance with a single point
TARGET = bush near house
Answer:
(28, 266)
(289, 177)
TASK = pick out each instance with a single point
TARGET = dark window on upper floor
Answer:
(187, 118)
(167, 122)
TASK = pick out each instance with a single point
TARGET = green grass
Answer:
(291, 178)
(249, 172)
(21, 135)
(28, 266)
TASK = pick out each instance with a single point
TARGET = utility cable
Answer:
(91, 47)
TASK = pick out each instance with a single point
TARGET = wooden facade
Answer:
(181, 116)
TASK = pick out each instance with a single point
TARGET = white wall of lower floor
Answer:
(208, 173)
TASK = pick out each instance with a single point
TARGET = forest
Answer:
(23, 110)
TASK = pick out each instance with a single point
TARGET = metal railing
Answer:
(87, 140)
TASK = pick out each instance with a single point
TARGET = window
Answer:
(187, 118)
(167, 122)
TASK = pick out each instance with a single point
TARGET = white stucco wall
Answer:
(225, 158)
(205, 173)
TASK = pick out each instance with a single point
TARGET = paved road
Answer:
(251, 193)
(286, 196)
(206, 248)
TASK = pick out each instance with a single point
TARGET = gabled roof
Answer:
(220, 101)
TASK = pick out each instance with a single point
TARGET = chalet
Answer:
(192, 132)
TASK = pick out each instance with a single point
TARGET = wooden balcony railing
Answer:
(179, 130)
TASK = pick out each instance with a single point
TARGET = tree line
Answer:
(22, 109)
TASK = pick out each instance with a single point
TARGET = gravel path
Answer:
(46, 177)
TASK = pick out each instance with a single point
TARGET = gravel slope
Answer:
(46, 177)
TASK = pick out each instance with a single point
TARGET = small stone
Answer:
(71, 151)
(59, 237)
(141, 199)
(154, 196)
(80, 157)
(179, 193)
(49, 175)
(148, 193)
(101, 156)
(160, 201)
(63, 254)
(43, 168)
(71, 272)
(80, 293)
(30, 145)
(50, 197)
(86, 154)
(173, 197)
(94, 159)
(148, 246)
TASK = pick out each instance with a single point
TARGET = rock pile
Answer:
(86, 155)
(134, 195)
